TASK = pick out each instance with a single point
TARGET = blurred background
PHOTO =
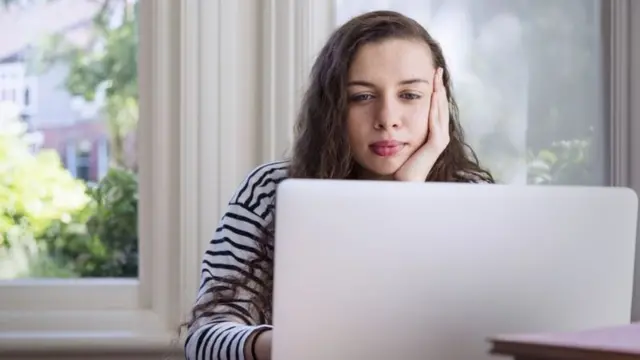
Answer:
(529, 76)
(68, 117)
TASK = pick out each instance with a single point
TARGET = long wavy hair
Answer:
(321, 149)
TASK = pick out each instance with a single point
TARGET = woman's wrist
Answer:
(261, 345)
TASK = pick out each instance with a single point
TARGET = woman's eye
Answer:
(361, 97)
(410, 96)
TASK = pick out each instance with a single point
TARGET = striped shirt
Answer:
(223, 337)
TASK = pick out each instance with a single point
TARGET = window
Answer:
(531, 137)
(83, 161)
(101, 301)
(72, 235)
(529, 80)
(30, 95)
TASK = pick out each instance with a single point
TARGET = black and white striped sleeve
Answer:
(221, 333)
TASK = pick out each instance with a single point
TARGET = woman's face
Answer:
(389, 88)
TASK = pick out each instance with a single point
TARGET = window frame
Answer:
(41, 317)
(627, 47)
(197, 58)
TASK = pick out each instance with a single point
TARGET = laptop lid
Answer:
(389, 270)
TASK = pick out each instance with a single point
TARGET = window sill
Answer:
(84, 333)
(85, 344)
(69, 294)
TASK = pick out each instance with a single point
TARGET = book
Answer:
(610, 343)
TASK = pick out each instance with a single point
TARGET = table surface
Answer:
(618, 340)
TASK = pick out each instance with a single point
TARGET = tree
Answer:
(52, 225)
(97, 237)
(105, 65)
(110, 65)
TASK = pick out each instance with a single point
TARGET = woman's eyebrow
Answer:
(403, 82)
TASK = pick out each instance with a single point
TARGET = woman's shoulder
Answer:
(261, 182)
(269, 173)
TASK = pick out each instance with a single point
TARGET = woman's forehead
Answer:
(395, 59)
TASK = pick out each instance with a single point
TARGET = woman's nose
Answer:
(387, 116)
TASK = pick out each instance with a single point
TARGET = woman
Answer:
(379, 106)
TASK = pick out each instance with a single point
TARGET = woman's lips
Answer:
(386, 148)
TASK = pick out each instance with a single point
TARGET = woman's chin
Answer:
(381, 170)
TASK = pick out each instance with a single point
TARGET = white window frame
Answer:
(200, 134)
(124, 316)
(102, 156)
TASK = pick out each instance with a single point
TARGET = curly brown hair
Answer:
(321, 149)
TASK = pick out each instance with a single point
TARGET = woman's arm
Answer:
(229, 330)
(260, 342)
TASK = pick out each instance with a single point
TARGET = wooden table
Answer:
(612, 343)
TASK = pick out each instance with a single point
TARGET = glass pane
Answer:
(528, 78)
(68, 116)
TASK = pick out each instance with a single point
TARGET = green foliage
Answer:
(114, 66)
(564, 162)
(115, 222)
(35, 190)
(52, 225)
(103, 239)
(107, 63)
(114, 69)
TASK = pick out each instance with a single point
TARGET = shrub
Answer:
(102, 239)
(53, 225)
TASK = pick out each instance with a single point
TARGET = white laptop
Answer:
(410, 271)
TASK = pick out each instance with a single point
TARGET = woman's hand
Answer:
(419, 164)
